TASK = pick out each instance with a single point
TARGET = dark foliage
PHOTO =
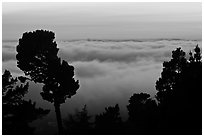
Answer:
(109, 122)
(180, 93)
(17, 113)
(37, 57)
(79, 123)
(136, 105)
(143, 114)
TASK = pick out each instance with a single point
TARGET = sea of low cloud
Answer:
(109, 72)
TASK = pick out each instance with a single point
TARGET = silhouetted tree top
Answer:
(143, 114)
(109, 120)
(37, 57)
(79, 123)
(139, 98)
(171, 74)
(176, 71)
(83, 115)
(35, 50)
(12, 93)
(197, 55)
(79, 116)
(136, 105)
(111, 114)
(17, 112)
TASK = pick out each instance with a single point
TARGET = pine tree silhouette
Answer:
(180, 93)
(37, 57)
(17, 113)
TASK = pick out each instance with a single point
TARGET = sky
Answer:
(104, 20)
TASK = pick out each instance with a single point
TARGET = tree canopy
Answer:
(37, 57)
(180, 92)
(17, 112)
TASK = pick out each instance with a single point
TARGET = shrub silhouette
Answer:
(142, 111)
(109, 122)
(136, 103)
(79, 123)
(180, 93)
(37, 57)
(17, 113)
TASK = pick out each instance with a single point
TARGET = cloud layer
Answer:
(109, 71)
(122, 51)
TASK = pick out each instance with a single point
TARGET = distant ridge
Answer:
(133, 40)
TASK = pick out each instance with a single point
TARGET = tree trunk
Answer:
(58, 116)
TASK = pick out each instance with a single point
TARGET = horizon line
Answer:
(114, 40)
